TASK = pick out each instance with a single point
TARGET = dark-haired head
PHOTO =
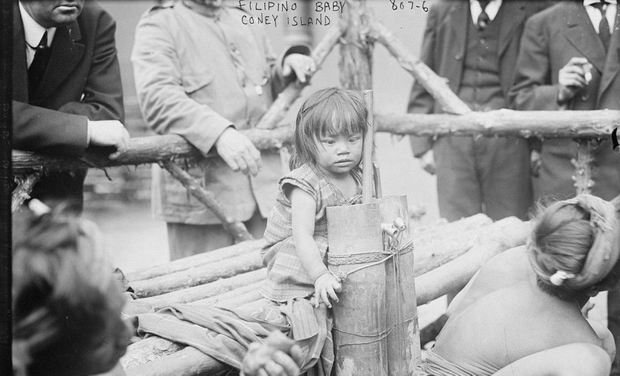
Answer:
(66, 301)
(572, 247)
(331, 111)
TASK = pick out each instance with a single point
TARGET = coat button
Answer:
(458, 57)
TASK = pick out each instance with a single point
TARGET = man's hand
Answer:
(108, 133)
(325, 287)
(427, 162)
(278, 356)
(574, 76)
(302, 65)
(238, 151)
(535, 163)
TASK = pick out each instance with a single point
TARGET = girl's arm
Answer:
(574, 359)
(303, 209)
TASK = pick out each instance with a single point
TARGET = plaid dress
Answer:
(286, 277)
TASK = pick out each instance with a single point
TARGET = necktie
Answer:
(39, 63)
(603, 26)
(483, 18)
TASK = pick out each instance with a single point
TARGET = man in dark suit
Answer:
(569, 60)
(474, 44)
(67, 90)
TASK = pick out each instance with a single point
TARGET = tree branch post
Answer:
(234, 227)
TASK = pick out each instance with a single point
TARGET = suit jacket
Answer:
(443, 50)
(551, 38)
(82, 82)
(188, 84)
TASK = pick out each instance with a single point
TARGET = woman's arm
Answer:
(575, 359)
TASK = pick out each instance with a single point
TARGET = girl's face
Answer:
(339, 154)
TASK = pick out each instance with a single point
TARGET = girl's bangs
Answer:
(341, 117)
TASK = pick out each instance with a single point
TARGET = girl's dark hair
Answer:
(329, 111)
(64, 294)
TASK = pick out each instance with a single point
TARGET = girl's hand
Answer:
(325, 287)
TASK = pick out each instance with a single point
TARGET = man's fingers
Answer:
(274, 369)
(262, 372)
(577, 60)
(297, 354)
(230, 161)
(289, 365)
(242, 163)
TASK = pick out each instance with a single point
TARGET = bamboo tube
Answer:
(287, 97)
(502, 235)
(198, 276)
(22, 192)
(504, 122)
(434, 84)
(202, 291)
(360, 317)
(232, 226)
(196, 260)
(403, 339)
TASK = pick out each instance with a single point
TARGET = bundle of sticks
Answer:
(447, 255)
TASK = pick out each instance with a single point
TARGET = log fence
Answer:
(447, 254)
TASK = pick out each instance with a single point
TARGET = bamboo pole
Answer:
(287, 97)
(22, 192)
(199, 292)
(368, 151)
(434, 84)
(234, 227)
(196, 260)
(199, 275)
(502, 235)
(544, 124)
(403, 338)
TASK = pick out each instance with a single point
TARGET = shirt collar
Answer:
(590, 2)
(33, 32)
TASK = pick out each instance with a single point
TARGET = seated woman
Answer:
(521, 314)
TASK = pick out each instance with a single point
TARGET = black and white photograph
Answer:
(307, 187)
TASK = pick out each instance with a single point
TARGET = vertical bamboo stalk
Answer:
(368, 151)
(360, 324)
(403, 342)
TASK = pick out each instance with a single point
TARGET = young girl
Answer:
(328, 141)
